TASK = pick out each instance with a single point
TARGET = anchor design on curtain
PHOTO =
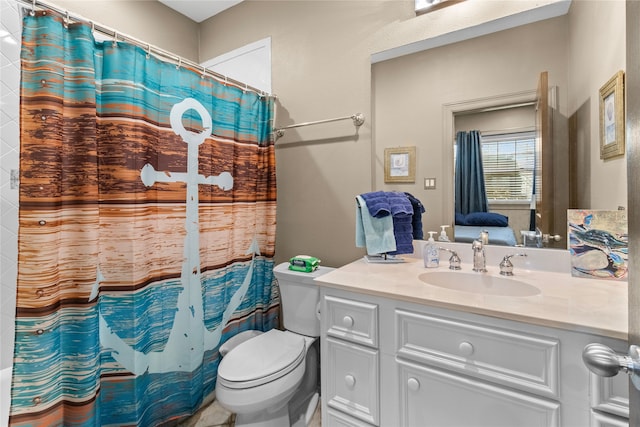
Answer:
(188, 326)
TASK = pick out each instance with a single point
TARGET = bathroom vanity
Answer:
(398, 350)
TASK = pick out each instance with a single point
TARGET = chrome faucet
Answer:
(454, 260)
(506, 267)
(479, 260)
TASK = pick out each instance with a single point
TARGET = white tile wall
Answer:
(10, 32)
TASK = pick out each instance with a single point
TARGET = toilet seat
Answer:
(262, 359)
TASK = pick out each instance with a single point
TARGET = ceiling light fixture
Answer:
(423, 6)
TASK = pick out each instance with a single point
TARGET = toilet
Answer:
(270, 379)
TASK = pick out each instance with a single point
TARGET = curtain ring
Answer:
(33, 8)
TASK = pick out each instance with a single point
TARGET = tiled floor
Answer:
(210, 416)
(216, 416)
(316, 421)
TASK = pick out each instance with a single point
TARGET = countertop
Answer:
(578, 304)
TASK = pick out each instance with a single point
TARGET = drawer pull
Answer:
(347, 321)
(466, 348)
(413, 384)
(350, 381)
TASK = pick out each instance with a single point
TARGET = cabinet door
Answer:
(433, 397)
(352, 380)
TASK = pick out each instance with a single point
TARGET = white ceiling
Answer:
(199, 10)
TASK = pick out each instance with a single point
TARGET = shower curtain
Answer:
(470, 192)
(146, 234)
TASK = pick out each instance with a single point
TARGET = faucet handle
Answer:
(506, 266)
(454, 260)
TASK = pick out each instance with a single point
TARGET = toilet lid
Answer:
(262, 359)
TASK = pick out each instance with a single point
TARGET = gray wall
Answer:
(597, 51)
(147, 20)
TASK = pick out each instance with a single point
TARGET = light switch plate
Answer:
(429, 183)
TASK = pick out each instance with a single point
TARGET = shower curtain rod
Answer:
(358, 120)
(151, 49)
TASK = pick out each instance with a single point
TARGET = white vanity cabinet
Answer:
(389, 362)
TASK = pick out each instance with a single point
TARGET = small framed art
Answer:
(612, 138)
(400, 164)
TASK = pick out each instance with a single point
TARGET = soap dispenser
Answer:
(431, 252)
(443, 234)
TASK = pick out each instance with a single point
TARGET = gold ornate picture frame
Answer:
(612, 138)
(400, 164)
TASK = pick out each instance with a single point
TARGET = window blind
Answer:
(509, 162)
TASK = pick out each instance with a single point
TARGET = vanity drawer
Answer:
(431, 397)
(353, 321)
(502, 356)
(352, 380)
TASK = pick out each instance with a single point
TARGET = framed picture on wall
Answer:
(612, 138)
(400, 164)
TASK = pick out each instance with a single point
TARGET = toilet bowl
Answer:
(271, 379)
(257, 379)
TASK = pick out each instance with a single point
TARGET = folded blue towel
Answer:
(376, 234)
(418, 210)
(403, 232)
(399, 204)
(377, 203)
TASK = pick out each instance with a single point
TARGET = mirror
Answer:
(422, 98)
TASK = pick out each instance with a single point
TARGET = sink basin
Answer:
(479, 283)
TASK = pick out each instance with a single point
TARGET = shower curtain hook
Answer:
(179, 64)
(115, 39)
(66, 19)
(148, 51)
(93, 27)
(33, 8)
(204, 72)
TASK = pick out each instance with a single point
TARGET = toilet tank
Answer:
(300, 296)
